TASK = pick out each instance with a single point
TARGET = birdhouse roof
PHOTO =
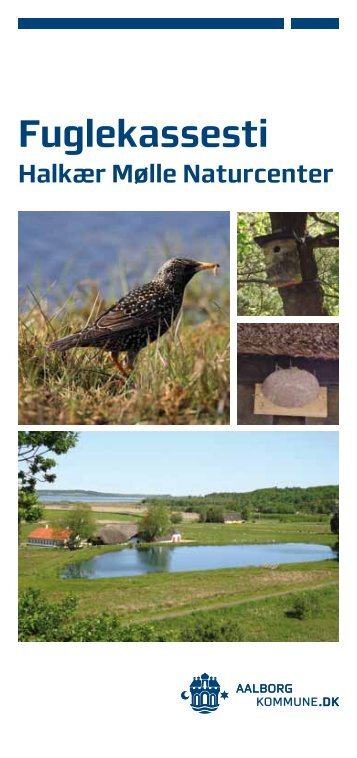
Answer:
(295, 340)
(264, 239)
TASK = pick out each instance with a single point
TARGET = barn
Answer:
(233, 518)
(264, 350)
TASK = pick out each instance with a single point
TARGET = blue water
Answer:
(171, 558)
(58, 250)
(55, 498)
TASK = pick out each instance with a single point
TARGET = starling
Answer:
(141, 316)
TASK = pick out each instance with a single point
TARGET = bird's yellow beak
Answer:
(201, 266)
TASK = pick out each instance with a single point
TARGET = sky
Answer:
(183, 463)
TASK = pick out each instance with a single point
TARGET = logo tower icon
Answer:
(204, 693)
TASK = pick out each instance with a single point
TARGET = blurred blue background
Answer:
(117, 250)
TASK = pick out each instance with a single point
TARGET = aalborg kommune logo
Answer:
(205, 694)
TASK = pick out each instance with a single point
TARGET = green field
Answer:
(251, 532)
(267, 620)
(256, 601)
(53, 516)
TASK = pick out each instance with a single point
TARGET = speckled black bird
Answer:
(141, 316)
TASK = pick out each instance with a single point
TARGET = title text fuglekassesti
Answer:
(73, 140)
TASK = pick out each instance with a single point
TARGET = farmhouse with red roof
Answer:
(44, 536)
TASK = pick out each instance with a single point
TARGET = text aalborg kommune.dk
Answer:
(281, 695)
(74, 139)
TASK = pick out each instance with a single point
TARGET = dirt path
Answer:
(233, 603)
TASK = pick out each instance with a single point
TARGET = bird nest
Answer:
(291, 387)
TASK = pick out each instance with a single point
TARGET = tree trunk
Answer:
(305, 299)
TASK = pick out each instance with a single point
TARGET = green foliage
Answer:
(264, 620)
(335, 523)
(42, 620)
(271, 500)
(305, 606)
(246, 513)
(29, 508)
(176, 518)
(212, 515)
(35, 466)
(107, 627)
(156, 523)
(45, 621)
(255, 297)
(208, 628)
(34, 445)
(80, 521)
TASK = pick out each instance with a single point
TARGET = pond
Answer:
(171, 558)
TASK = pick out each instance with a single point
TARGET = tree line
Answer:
(287, 500)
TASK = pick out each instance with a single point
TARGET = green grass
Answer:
(269, 620)
(143, 598)
(222, 534)
(53, 516)
(257, 597)
(260, 531)
(183, 378)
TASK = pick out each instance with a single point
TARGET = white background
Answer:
(99, 698)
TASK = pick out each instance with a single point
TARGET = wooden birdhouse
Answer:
(282, 259)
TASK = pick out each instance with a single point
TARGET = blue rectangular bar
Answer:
(151, 23)
(315, 23)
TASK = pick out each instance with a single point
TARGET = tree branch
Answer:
(324, 240)
(320, 220)
(252, 271)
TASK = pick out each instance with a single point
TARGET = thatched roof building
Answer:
(116, 534)
(317, 341)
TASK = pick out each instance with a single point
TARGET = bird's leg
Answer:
(130, 359)
(122, 370)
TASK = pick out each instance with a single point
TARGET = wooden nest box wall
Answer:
(282, 259)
